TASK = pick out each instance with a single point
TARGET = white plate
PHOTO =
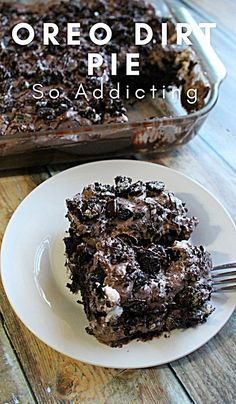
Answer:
(34, 278)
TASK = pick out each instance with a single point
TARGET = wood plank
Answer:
(201, 163)
(210, 373)
(145, 386)
(14, 188)
(220, 128)
(222, 12)
(14, 388)
(55, 378)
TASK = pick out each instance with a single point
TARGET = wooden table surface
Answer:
(32, 372)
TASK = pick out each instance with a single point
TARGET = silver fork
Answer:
(222, 279)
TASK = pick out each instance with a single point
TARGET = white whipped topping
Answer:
(182, 244)
(159, 285)
(112, 294)
(120, 269)
(70, 113)
(114, 298)
(115, 312)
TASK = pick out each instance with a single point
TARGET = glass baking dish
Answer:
(169, 127)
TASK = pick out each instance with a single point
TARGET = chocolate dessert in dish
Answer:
(129, 256)
(65, 66)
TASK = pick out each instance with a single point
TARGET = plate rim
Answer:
(74, 168)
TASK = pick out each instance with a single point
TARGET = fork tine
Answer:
(225, 289)
(223, 274)
(224, 281)
(224, 266)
